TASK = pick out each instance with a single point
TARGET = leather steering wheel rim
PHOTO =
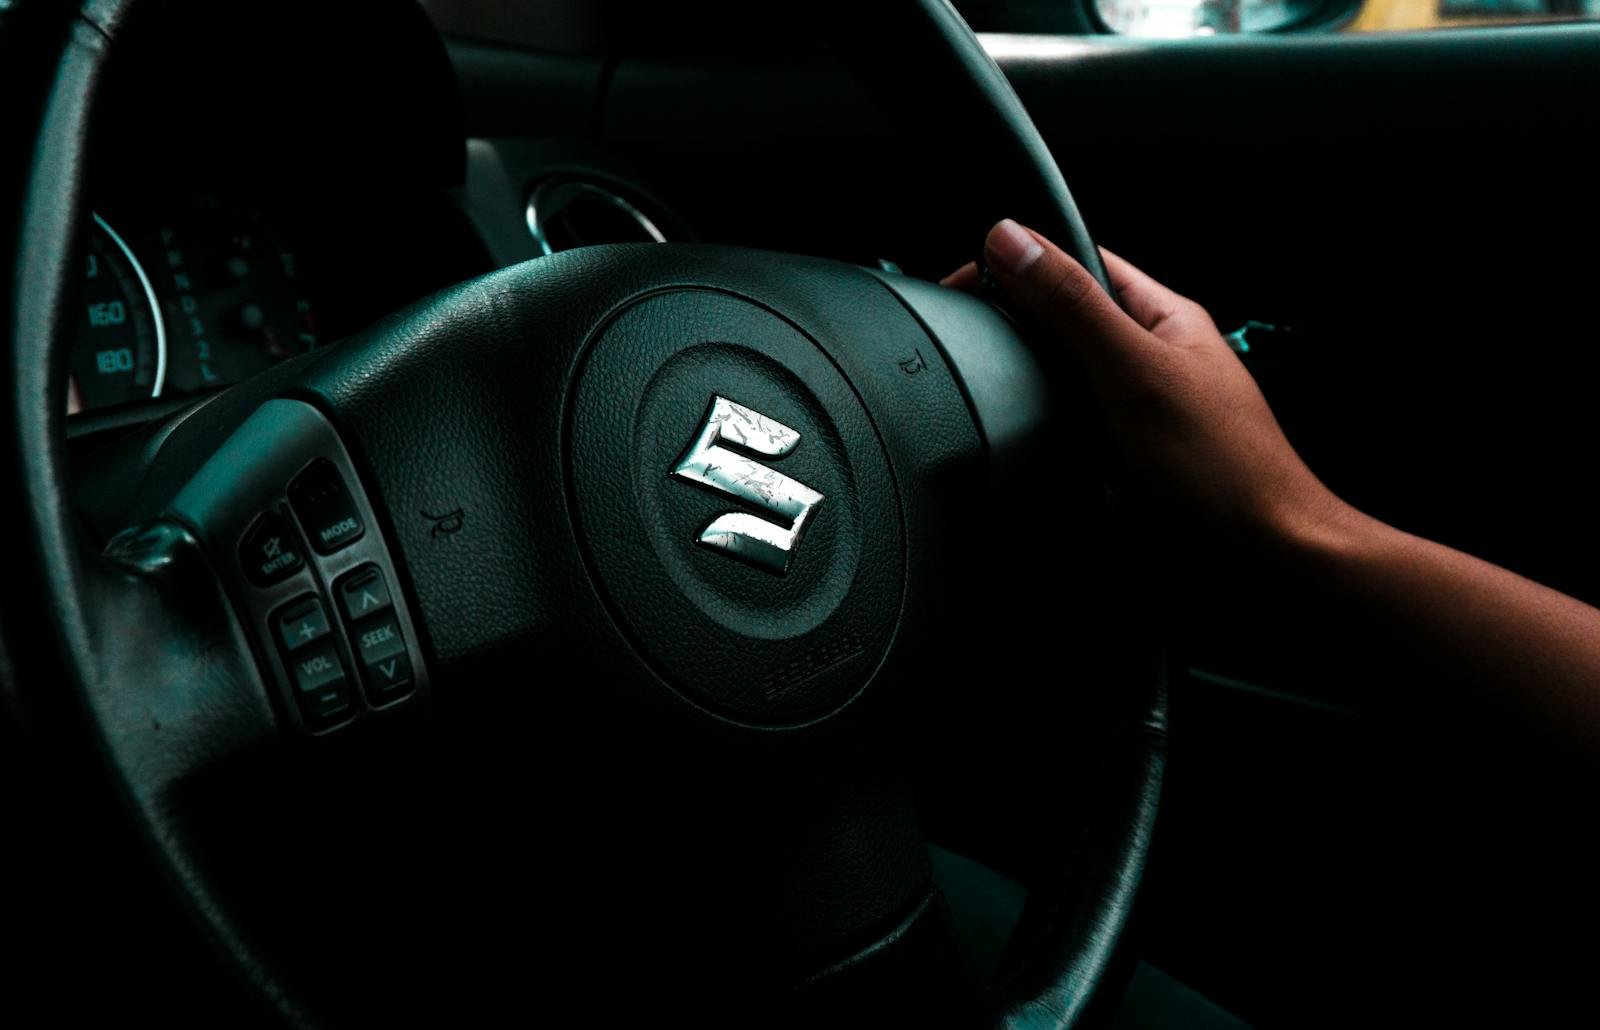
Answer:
(85, 595)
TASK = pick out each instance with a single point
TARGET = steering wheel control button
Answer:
(302, 623)
(270, 552)
(381, 649)
(388, 679)
(363, 593)
(311, 571)
(325, 508)
(320, 686)
(379, 640)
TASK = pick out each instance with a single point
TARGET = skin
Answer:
(1196, 436)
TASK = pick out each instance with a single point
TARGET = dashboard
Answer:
(252, 203)
(197, 295)
(190, 287)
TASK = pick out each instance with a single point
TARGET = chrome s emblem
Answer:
(721, 458)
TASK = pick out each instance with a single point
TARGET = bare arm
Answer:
(1196, 434)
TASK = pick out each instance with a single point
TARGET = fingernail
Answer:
(1012, 248)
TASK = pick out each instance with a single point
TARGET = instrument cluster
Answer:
(199, 294)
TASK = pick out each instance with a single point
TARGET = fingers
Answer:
(1059, 292)
(964, 278)
(1150, 304)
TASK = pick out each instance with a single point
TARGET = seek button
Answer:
(381, 650)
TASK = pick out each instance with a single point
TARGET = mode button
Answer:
(325, 507)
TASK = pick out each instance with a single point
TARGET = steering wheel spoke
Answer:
(281, 508)
(179, 694)
(913, 975)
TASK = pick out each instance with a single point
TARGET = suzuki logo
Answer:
(719, 458)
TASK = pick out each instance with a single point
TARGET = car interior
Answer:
(371, 652)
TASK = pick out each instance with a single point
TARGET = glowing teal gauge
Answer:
(120, 354)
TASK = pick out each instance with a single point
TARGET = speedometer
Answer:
(121, 350)
(183, 297)
(233, 297)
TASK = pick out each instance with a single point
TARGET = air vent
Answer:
(568, 213)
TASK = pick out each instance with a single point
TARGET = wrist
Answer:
(1319, 531)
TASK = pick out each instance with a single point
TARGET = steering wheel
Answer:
(566, 572)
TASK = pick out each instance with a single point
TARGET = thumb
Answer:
(1061, 294)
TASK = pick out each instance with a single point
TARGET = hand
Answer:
(1197, 438)
(1192, 427)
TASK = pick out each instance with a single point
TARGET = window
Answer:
(1399, 15)
(1187, 18)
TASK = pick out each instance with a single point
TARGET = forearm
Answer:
(1522, 647)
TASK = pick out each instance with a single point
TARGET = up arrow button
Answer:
(364, 593)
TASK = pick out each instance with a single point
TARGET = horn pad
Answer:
(735, 506)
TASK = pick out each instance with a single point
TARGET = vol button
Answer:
(302, 623)
(320, 685)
